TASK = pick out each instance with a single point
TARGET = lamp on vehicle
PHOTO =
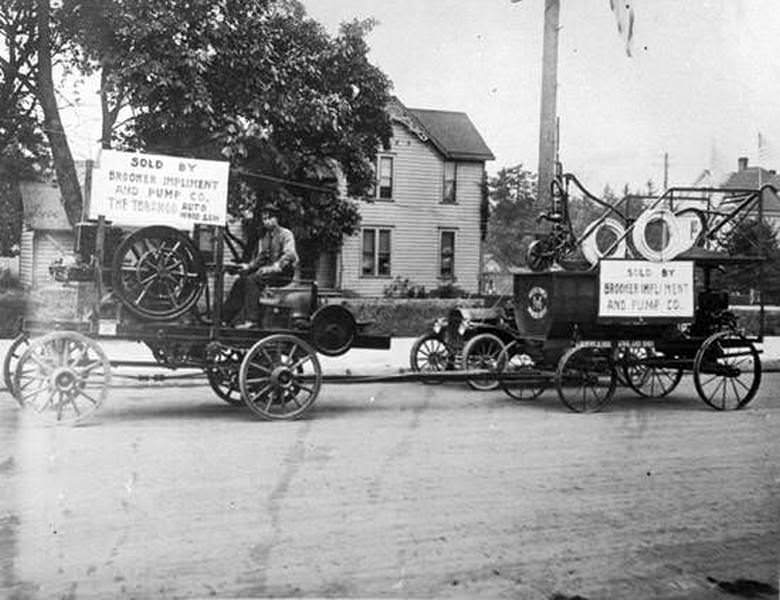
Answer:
(464, 327)
(439, 324)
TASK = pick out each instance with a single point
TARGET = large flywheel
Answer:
(158, 273)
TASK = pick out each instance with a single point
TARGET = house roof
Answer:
(453, 134)
(753, 178)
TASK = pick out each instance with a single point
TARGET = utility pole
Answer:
(548, 112)
(666, 171)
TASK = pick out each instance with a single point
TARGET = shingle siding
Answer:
(416, 217)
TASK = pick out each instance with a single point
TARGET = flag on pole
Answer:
(624, 14)
(718, 168)
(766, 154)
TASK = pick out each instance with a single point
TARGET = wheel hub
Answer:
(282, 376)
(65, 380)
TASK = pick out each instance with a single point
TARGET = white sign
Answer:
(638, 288)
(154, 189)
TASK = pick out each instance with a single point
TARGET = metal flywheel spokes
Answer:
(62, 377)
(280, 377)
(158, 273)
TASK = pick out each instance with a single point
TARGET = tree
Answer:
(52, 124)
(752, 237)
(512, 221)
(256, 82)
(29, 41)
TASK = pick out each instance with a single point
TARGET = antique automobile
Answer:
(443, 346)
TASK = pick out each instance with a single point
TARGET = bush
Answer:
(401, 287)
(448, 290)
(9, 281)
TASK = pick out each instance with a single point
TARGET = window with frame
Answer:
(376, 253)
(449, 191)
(447, 255)
(385, 178)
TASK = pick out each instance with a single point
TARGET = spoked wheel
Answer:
(727, 371)
(538, 257)
(429, 354)
(222, 374)
(525, 381)
(15, 351)
(586, 378)
(62, 377)
(483, 352)
(280, 377)
(643, 371)
(158, 273)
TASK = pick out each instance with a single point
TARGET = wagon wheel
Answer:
(727, 371)
(529, 383)
(15, 350)
(280, 377)
(483, 351)
(429, 354)
(647, 379)
(62, 377)
(222, 374)
(586, 378)
(158, 273)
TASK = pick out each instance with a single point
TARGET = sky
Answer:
(702, 82)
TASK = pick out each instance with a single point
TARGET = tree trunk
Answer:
(12, 211)
(60, 150)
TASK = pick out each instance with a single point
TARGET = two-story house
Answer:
(423, 220)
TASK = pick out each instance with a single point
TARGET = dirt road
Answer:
(392, 491)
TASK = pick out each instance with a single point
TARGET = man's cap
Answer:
(269, 209)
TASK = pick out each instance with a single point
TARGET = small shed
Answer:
(46, 234)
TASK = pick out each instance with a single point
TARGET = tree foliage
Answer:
(755, 238)
(512, 221)
(256, 82)
(29, 42)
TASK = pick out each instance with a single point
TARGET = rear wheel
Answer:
(643, 372)
(727, 371)
(523, 380)
(586, 378)
(483, 352)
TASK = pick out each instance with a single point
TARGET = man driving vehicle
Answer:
(273, 264)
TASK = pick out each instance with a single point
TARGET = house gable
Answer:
(451, 133)
(434, 240)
